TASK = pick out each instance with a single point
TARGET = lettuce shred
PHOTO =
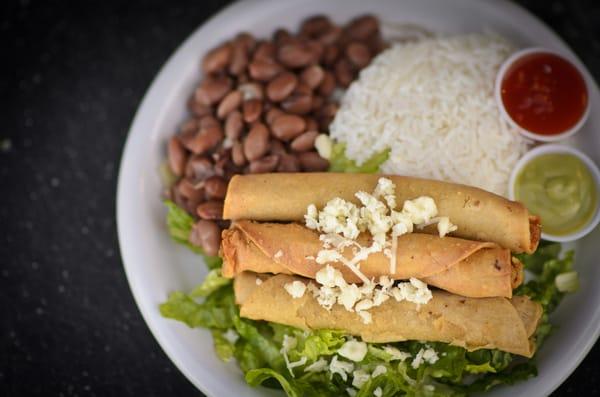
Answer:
(179, 226)
(338, 162)
(256, 345)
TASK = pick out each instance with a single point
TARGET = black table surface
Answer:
(74, 73)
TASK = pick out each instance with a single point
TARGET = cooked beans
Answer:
(288, 126)
(312, 162)
(177, 156)
(252, 110)
(206, 234)
(257, 142)
(229, 104)
(265, 164)
(217, 59)
(281, 86)
(215, 187)
(259, 108)
(212, 90)
(211, 210)
(234, 124)
(304, 142)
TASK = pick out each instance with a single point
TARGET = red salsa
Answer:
(544, 93)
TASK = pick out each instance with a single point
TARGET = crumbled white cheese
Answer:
(339, 216)
(414, 291)
(296, 289)
(351, 392)
(329, 276)
(339, 224)
(387, 190)
(342, 368)
(364, 304)
(258, 281)
(328, 256)
(318, 366)
(379, 370)
(324, 145)
(445, 226)
(360, 377)
(420, 210)
(349, 295)
(311, 218)
(395, 353)
(278, 254)
(425, 355)
(353, 350)
(231, 335)
(378, 392)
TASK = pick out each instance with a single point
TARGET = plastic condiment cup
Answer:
(560, 149)
(531, 134)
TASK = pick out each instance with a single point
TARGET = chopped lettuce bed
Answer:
(257, 345)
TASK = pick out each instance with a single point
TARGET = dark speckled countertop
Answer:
(74, 73)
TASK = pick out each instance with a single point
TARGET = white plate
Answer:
(155, 265)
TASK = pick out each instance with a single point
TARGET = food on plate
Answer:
(488, 323)
(431, 104)
(479, 215)
(460, 266)
(335, 284)
(560, 188)
(353, 255)
(543, 93)
(259, 108)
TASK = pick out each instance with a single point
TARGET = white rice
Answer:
(432, 104)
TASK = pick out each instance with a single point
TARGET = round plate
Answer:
(155, 265)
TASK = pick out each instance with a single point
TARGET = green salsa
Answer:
(560, 189)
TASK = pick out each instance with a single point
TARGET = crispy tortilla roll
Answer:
(464, 267)
(479, 215)
(484, 323)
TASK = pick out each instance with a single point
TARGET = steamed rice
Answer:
(432, 104)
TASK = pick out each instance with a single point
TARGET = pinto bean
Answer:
(281, 86)
(177, 156)
(207, 235)
(212, 90)
(312, 162)
(358, 54)
(256, 143)
(264, 69)
(298, 104)
(304, 142)
(312, 76)
(295, 55)
(288, 163)
(265, 164)
(230, 103)
(288, 126)
(211, 210)
(237, 154)
(217, 59)
(234, 125)
(215, 187)
(251, 110)
(198, 168)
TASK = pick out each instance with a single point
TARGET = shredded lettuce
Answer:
(179, 225)
(212, 282)
(338, 162)
(256, 345)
